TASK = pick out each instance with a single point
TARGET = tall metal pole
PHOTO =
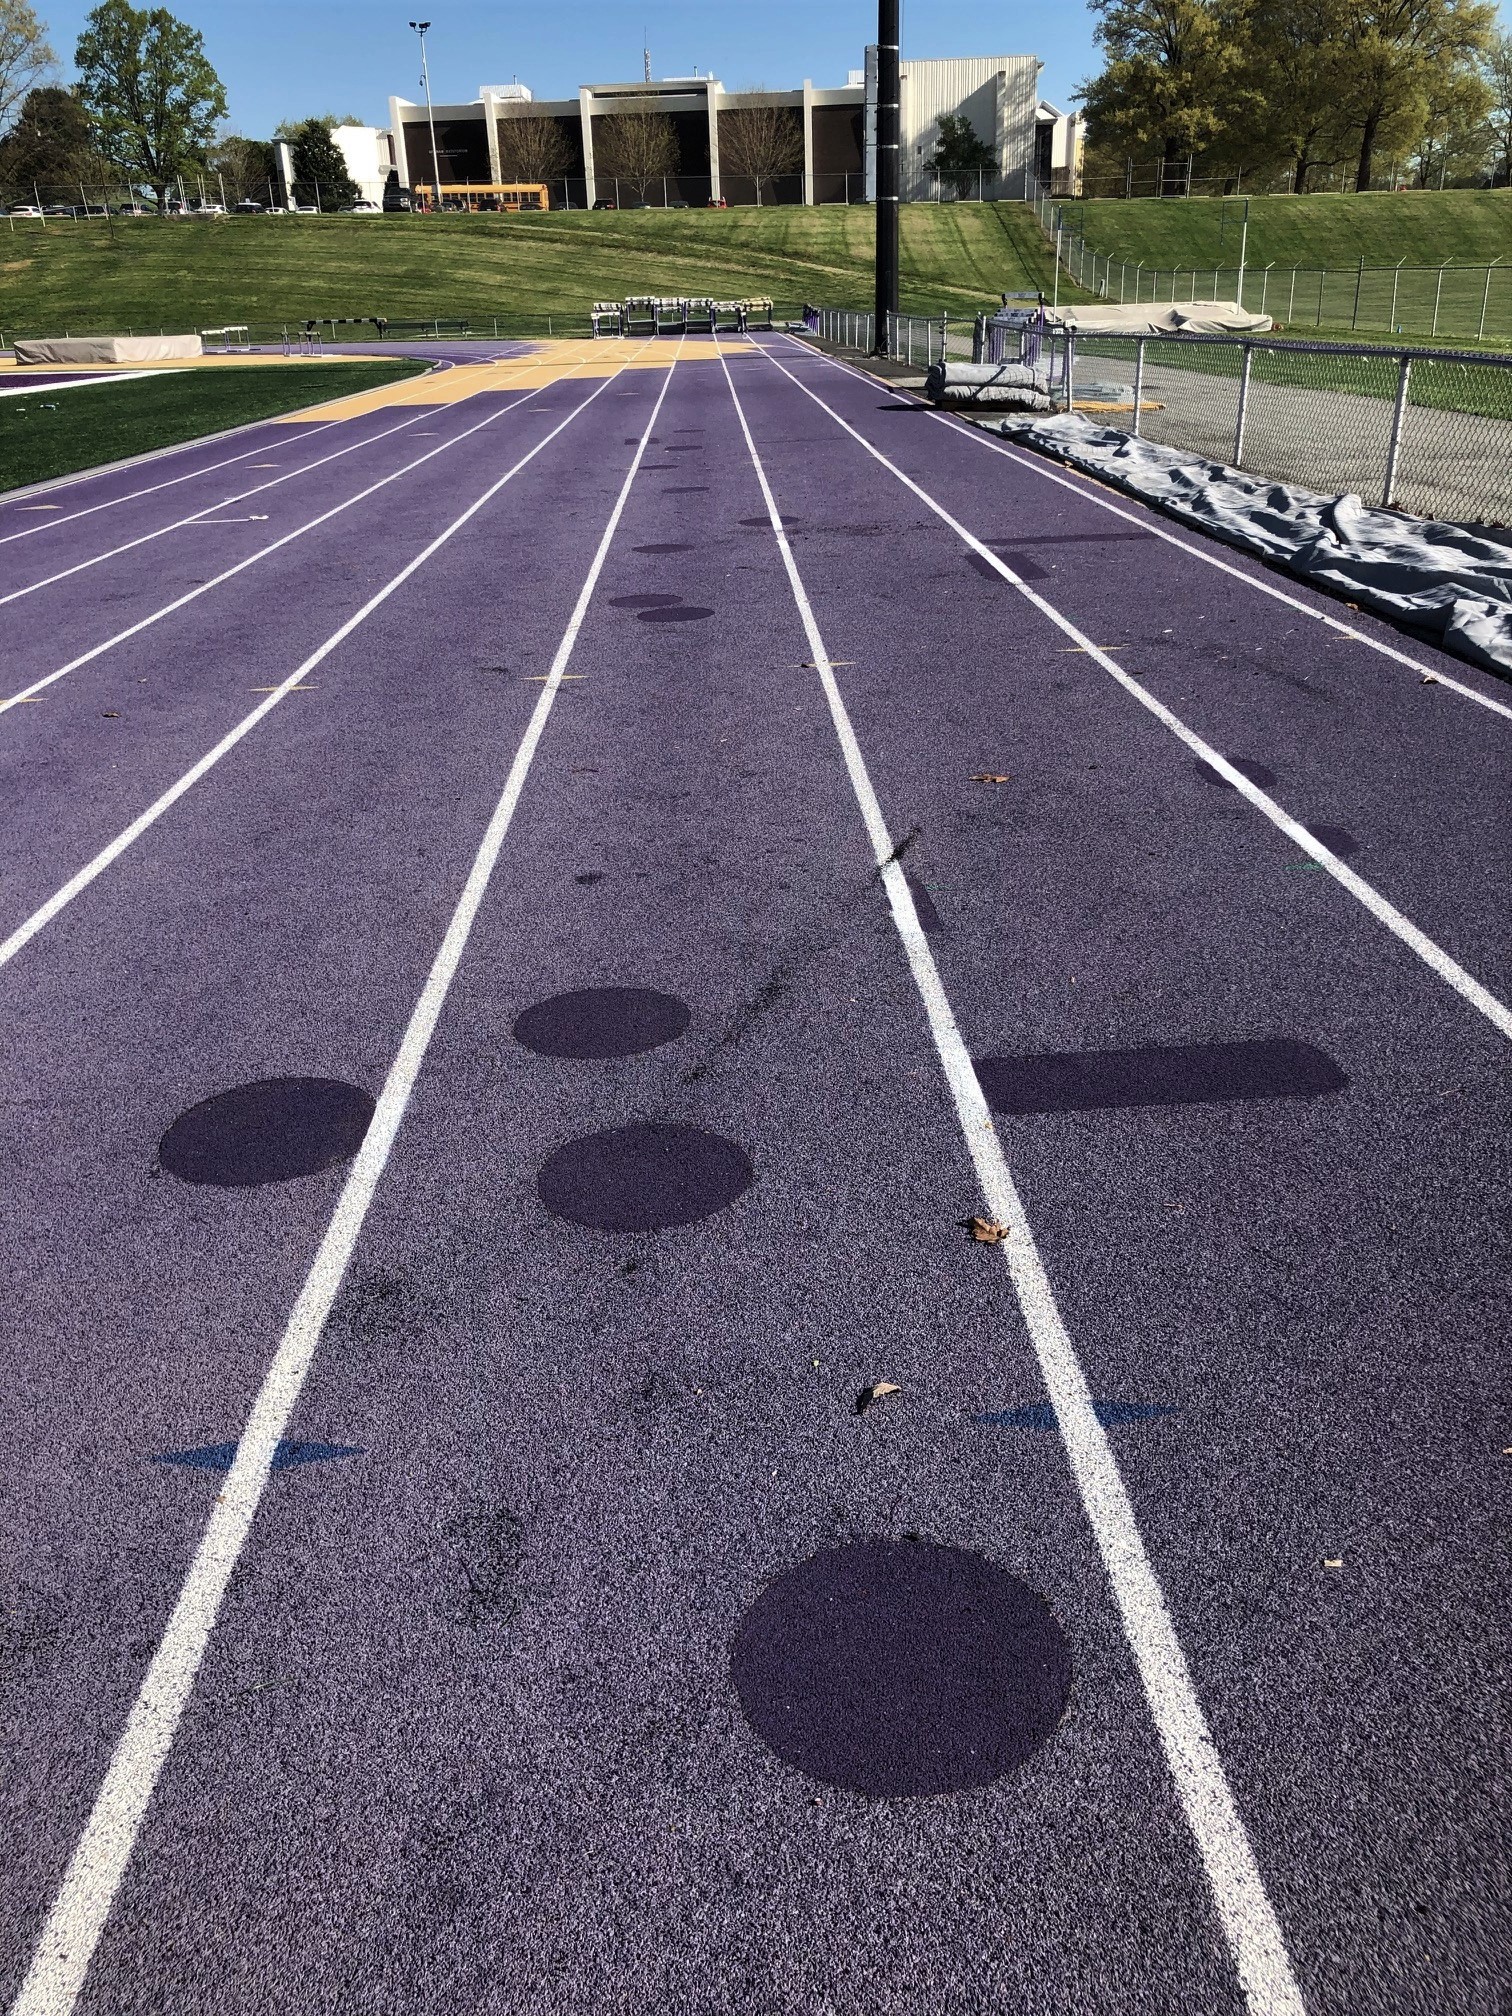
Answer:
(421, 28)
(888, 169)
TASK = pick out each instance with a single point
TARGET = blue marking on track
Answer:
(287, 1456)
(1111, 1413)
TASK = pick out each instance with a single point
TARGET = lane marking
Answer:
(202, 515)
(68, 1940)
(24, 933)
(1254, 1936)
(1433, 955)
(1149, 522)
(150, 490)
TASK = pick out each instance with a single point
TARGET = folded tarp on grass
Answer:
(1444, 579)
(1020, 387)
(1159, 318)
(106, 349)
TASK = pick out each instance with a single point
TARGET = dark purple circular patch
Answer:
(637, 1179)
(643, 601)
(602, 1022)
(763, 523)
(268, 1132)
(898, 1668)
(686, 612)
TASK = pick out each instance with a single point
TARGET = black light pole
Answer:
(888, 153)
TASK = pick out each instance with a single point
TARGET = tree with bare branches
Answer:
(637, 145)
(533, 148)
(760, 142)
(25, 58)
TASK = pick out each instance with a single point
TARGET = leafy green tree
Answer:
(1393, 55)
(1497, 67)
(25, 57)
(152, 90)
(961, 153)
(51, 148)
(244, 168)
(320, 170)
(1172, 73)
(1292, 84)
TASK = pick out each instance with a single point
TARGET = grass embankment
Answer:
(189, 274)
(1422, 229)
(50, 433)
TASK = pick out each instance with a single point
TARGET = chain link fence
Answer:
(1426, 431)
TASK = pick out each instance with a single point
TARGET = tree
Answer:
(961, 152)
(1455, 139)
(1172, 71)
(637, 145)
(155, 98)
(244, 167)
(760, 142)
(1498, 73)
(51, 148)
(533, 148)
(1291, 87)
(320, 169)
(25, 57)
(1393, 52)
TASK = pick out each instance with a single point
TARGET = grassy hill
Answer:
(143, 273)
(1424, 227)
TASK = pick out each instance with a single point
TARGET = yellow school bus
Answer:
(491, 196)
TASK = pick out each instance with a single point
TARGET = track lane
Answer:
(330, 896)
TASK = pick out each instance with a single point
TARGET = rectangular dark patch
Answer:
(1067, 538)
(1022, 565)
(1182, 1074)
(929, 917)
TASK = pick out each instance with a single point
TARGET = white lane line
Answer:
(82, 1905)
(151, 489)
(202, 515)
(1250, 1925)
(1148, 522)
(75, 384)
(1433, 955)
(24, 933)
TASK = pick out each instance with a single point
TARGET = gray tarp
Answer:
(1441, 578)
(1158, 318)
(107, 349)
(1020, 387)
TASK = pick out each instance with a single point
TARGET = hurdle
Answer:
(608, 318)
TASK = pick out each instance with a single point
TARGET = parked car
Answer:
(363, 209)
(716, 203)
(606, 203)
(134, 210)
(677, 206)
(58, 210)
(249, 207)
(28, 210)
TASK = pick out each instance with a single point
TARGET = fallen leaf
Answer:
(111, 714)
(990, 777)
(879, 1391)
(1333, 1564)
(1430, 679)
(986, 1231)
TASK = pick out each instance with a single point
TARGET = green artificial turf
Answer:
(185, 274)
(50, 432)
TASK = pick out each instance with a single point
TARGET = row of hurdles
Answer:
(653, 315)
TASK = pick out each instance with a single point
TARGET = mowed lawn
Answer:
(189, 274)
(1423, 227)
(52, 432)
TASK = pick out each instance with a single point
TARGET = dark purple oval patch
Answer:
(673, 547)
(900, 1668)
(638, 1179)
(270, 1131)
(686, 612)
(643, 601)
(602, 1022)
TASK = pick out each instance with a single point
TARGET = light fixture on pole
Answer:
(421, 28)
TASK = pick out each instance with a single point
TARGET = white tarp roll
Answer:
(1158, 318)
(1023, 388)
(1445, 579)
(106, 349)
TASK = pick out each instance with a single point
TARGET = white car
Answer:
(27, 210)
(363, 209)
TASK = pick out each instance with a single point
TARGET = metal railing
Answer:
(1425, 431)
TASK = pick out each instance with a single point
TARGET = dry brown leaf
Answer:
(991, 777)
(986, 1231)
(877, 1391)
(1430, 679)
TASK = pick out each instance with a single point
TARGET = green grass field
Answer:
(51, 433)
(188, 274)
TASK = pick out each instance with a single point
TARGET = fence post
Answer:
(1244, 386)
(1394, 446)
(1486, 300)
(944, 336)
(1396, 278)
(1354, 315)
(1437, 293)
(1139, 350)
(1291, 299)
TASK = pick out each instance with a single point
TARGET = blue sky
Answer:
(285, 59)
